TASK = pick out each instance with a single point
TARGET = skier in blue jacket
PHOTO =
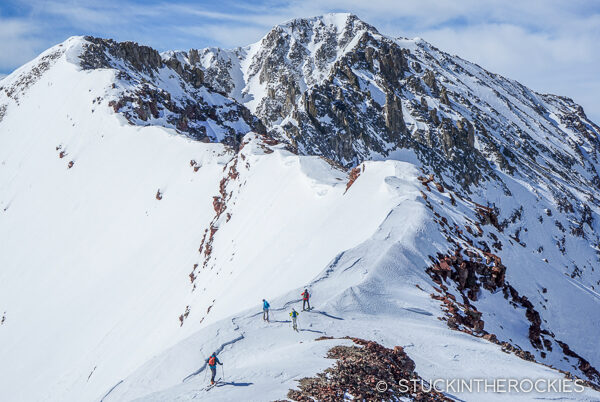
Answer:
(212, 362)
(266, 306)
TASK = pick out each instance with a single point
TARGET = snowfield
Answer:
(129, 254)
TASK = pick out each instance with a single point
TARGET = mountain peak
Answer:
(340, 25)
(339, 21)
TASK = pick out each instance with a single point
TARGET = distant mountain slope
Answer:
(337, 87)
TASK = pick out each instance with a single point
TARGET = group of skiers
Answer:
(293, 314)
(212, 361)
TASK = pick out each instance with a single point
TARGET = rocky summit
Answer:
(445, 221)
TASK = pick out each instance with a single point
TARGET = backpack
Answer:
(212, 361)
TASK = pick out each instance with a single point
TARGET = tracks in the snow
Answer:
(218, 350)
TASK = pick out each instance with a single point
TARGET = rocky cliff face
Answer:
(334, 86)
(157, 91)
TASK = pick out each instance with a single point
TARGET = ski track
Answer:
(217, 351)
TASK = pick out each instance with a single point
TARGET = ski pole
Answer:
(223, 372)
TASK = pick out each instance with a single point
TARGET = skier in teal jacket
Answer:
(266, 306)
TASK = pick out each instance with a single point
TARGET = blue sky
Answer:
(549, 45)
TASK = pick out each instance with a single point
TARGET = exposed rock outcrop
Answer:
(196, 110)
(358, 371)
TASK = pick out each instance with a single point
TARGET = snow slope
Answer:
(130, 249)
(89, 259)
(95, 267)
(368, 291)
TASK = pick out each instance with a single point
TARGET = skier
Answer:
(305, 297)
(212, 361)
(294, 314)
(266, 306)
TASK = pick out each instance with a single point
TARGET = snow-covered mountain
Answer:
(149, 202)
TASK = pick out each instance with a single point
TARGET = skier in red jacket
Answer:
(212, 362)
(305, 301)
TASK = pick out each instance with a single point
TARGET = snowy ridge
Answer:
(533, 158)
(363, 291)
(148, 202)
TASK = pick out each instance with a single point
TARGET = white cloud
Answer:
(18, 43)
(564, 64)
(223, 35)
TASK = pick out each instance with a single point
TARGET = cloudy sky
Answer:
(549, 45)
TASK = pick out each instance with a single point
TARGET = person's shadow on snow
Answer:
(311, 330)
(235, 384)
(325, 314)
